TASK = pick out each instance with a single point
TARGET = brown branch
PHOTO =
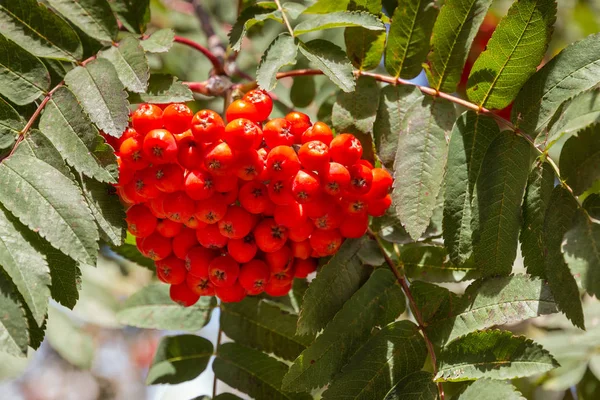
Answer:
(413, 306)
(216, 63)
(214, 41)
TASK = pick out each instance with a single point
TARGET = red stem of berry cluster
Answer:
(217, 65)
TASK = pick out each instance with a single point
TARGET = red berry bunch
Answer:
(245, 207)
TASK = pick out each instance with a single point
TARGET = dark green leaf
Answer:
(492, 354)
(420, 162)
(370, 254)
(327, 6)
(500, 191)
(106, 209)
(559, 218)
(179, 359)
(332, 60)
(263, 326)
(430, 298)
(281, 52)
(580, 159)
(355, 113)
(490, 389)
(513, 53)
(249, 17)
(339, 19)
(66, 277)
(102, 95)
(378, 302)
(364, 47)
(131, 253)
(394, 101)
(303, 91)
(152, 308)
(11, 124)
(252, 372)
(471, 137)
(37, 332)
(67, 126)
(94, 17)
(592, 205)
(222, 396)
(131, 64)
(13, 324)
(408, 38)
(37, 145)
(572, 71)
(489, 302)
(159, 42)
(335, 283)
(163, 89)
(431, 263)
(69, 340)
(416, 386)
(51, 204)
(393, 353)
(581, 248)
(537, 196)
(23, 77)
(57, 70)
(453, 34)
(133, 14)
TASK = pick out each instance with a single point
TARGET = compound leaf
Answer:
(332, 60)
(339, 19)
(94, 17)
(580, 159)
(179, 359)
(281, 52)
(129, 60)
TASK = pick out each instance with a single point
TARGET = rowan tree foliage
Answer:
(497, 156)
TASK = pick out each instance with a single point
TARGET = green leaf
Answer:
(513, 53)
(537, 196)
(133, 14)
(378, 302)
(293, 10)
(69, 340)
(263, 326)
(394, 101)
(332, 60)
(574, 70)
(281, 52)
(327, 6)
(101, 93)
(51, 204)
(420, 162)
(370, 254)
(303, 91)
(364, 47)
(559, 218)
(152, 308)
(24, 264)
(572, 116)
(500, 191)
(131, 253)
(393, 353)
(355, 113)
(37, 145)
(11, 123)
(581, 249)
(580, 159)
(106, 209)
(38, 30)
(416, 386)
(408, 38)
(250, 16)
(471, 137)
(336, 283)
(492, 354)
(179, 359)
(129, 59)
(66, 277)
(252, 372)
(453, 34)
(13, 324)
(592, 205)
(23, 77)
(489, 302)
(160, 41)
(339, 20)
(222, 396)
(431, 263)
(67, 126)
(163, 89)
(491, 389)
(94, 17)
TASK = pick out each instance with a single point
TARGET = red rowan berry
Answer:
(218, 158)
(319, 206)
(290, 216)
(129, 194)
(280, 191)
(160, 146)
(210, 237)
(345, 149)
(183, 242)
(301, 249)
(275, 289)
(194, 223)
(270, 209)
(183, 295)
(211, 211)
(242, 250)
(229, 197)
(146, 118)
(249, 165)
(335, 179)
(223, 271)
(199, 185)
(140, 221)
(125, 172)
(253, 196)
(300, 122)
(179, 206)
(177, 118)
(207, 126)
(231, 294)
(128, 133)
(200, 285)
(354, 227)
(278, 132)
(319, 131)
(354, 206)
(225, 183)
(171, 270)
(190, 154)
(242, 109)
(241, 134)
(132, 154)
(378, 207)
(157, 206)
(330, 220)
(156, 246)
(301, 232)
(279, 260)
(168, 177)
(145, 184)
(237, 223)
(262, 102)
(282, 162)
(254, 275)
(269, 235)
(381, 185)
(304, 267)
(314, 155)
(283, 278)
(366, 163)
(306, 186)
(326, 242)
(198, 259)
(168, 228)
(361, 179)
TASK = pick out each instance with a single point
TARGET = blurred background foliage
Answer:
(88, 354)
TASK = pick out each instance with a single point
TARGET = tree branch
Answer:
(219, 339)
(285, 18)
(216, 63)
(213, 40)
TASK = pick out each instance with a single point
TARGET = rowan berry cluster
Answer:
(245, 207)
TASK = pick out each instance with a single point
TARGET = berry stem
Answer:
(217, 65)
(413, 306)
(285, 18)
(219, 339)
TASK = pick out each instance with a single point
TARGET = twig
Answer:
(216, 63)
(413, 306)
(219, 338)
(214, 41)
(285, 18)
